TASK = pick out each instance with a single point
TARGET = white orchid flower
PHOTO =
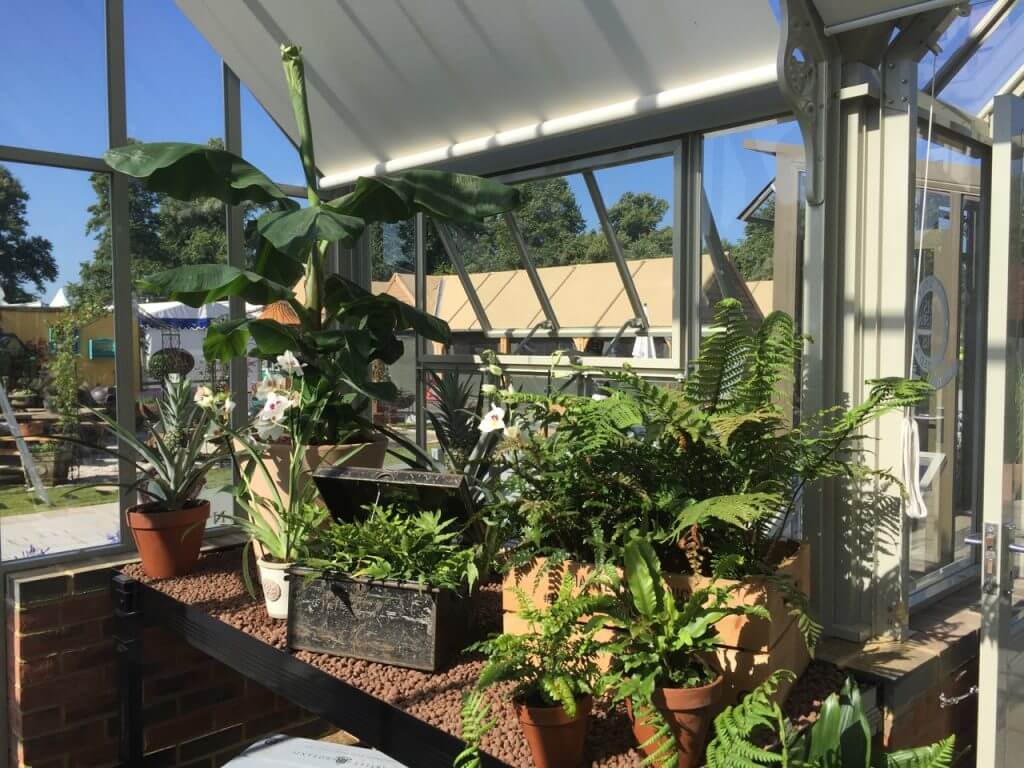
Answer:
(268, 430)
(494, 370)
(203, 397)
(492, 420)
(275, 407)
(289, 364)
(488, 389)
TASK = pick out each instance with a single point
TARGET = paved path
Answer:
(58, 530)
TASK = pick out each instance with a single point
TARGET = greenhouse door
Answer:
(1001, 663)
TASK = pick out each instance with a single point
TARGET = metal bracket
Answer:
(803, 61)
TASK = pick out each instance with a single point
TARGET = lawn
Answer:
(16, 500)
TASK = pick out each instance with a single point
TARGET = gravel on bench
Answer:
(216, 587)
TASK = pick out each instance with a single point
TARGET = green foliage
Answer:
(63, 378)
(164, 362)
(342, 327)
(454, 416)
(754, 255)
(25, 260)
(757, 712)
(554, 664)
(841, 737)
(392, 543)
(185, 443)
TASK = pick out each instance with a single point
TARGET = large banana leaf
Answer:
(345, 299)
(448, 196)
(192, 171)
(199, 284)
(231, 339)
(295, 232)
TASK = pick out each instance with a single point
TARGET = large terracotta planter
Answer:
(751, 649)
(168, 542)
(278, 455)
(688, 712)
(556, 740)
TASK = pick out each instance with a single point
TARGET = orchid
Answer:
(493, 420)
(203, 397)
(289, 363)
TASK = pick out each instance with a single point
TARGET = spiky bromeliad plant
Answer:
(841, 737)
(343, 328)
(186, 440)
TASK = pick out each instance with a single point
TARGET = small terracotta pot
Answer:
(168, 542)
(688, 712)
(556, 740)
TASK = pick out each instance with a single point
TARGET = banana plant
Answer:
(342, 327)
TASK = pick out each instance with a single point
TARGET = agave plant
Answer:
(342, 327)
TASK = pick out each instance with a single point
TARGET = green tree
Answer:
(163, 232)
(636, 215)
(24, 260)
(754, 255)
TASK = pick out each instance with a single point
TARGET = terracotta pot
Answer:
(370, 454)
(688, 712)
(275, 587)
(168, 542)
(31, 428)
(556, 740)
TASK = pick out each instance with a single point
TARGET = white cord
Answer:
(911, 439)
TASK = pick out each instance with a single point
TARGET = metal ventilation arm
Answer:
(531, 271)
(988, 24)
(444, 235)
(633, 322)
(542, 325)
(617, 254)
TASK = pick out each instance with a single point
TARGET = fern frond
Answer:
(939, 755)
(476, 722)
(718, 376)
(732, 747)
(666, 754)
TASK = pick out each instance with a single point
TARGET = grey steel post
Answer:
(125, 321)
(421, 304)
(531, 271)
(238, 367)
(444, 235)
(617, 254)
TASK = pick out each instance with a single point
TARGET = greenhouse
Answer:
(507, 384)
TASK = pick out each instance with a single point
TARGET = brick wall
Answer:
(62, 685)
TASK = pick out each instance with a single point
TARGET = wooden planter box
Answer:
(392, 622)
(751, 649)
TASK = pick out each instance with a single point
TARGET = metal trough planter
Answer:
(392, 622)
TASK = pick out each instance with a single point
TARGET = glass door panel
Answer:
(1001, 663)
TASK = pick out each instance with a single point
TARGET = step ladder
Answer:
(26, 455)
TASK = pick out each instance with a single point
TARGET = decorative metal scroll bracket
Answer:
(803, 61)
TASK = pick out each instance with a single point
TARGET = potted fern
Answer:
(185, 442)
(660, 654)
(393, 586)
(555, 675)
(841, 735)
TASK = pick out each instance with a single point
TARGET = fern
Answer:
(938, 755)
(665, 754)
(732, 747)
(718, 378)
(477, 721)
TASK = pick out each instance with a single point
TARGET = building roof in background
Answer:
(582, 295)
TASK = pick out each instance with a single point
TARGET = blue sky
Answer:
(54, 94)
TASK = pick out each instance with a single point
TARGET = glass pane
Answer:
(55, 356)
(639, 200)
(171, 233)
(55, 77)
(954, 36)
(752, 223)
(393, 264)
(991, 66)
(945, 348)
(265, 145)
(173, 76)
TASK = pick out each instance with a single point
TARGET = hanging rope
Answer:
(911, 438)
